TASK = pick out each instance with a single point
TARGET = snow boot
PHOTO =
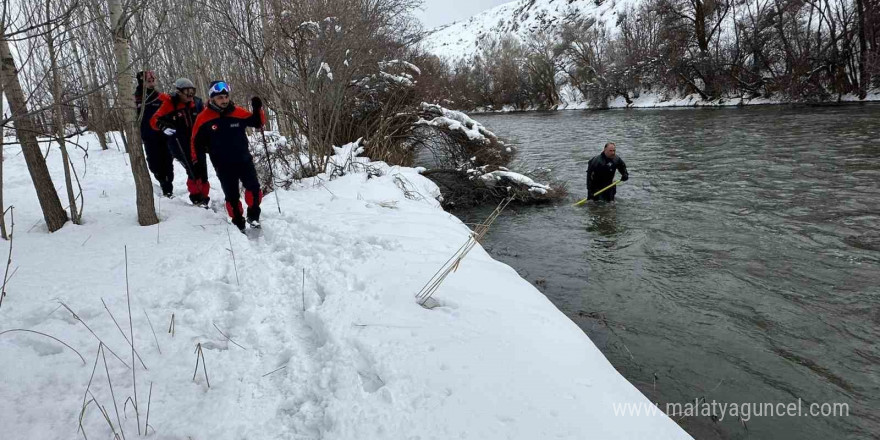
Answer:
(200, 200)
(167, 189)
(239, 222)
(254, 222)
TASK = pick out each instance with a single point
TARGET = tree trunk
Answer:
(864, 73)
(700, 26)
(94, 101)
(3, 234)
(59, 118)
(143, 187)
(201, 78)
(25, 129)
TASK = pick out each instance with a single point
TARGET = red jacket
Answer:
(177, 114)
(221, 133)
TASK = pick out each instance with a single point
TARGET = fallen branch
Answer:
(452, 264)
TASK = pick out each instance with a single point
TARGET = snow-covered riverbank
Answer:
(363, 361)
(571, 101)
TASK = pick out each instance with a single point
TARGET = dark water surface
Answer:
(740, 263)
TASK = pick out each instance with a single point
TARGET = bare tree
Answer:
(3, 234)
(26, 131)
(59, 110)
(143, 187)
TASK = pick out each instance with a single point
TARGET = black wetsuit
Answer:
(158, 157)
(600, 173)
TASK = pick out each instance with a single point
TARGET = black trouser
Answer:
(607, 195)
(230, 176)
(159, 161)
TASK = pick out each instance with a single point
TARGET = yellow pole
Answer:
(581, 202)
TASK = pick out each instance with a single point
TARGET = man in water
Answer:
(600, 173)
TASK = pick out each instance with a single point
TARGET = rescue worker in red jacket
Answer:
(176, 118)
(220, 131)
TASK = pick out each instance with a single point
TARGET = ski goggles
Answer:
(218, 89)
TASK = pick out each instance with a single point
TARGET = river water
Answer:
(740, 262)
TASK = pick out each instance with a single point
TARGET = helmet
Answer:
(218, 88)
(183, 83)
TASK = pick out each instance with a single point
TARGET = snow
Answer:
(653, 99)
(405, 64)
(402, 80)
(500, 175)
(326, 69)
(521, 19)
(456, 121)
(495, 359)
(310, 26)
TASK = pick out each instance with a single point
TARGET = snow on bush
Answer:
(500, 177)
(453, 120)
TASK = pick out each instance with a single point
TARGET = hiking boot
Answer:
(200, 200)
(254, 222)
(167, 189)
(239, 223)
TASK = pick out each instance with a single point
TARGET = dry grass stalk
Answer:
(81, 416)
(113, 395)
(48, 336)
(227, 337)
(277, 369)
(452, 264)
(200, 354)
(6, 276)
(82, 412)
(149, 400)
(153, 330)
(106, 417)
(131, 332)
(124, 336)
(234, 265)
(92, 332)
(171, 326)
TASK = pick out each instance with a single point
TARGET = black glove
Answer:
(624, 177)
(163, 123)
(256, 104)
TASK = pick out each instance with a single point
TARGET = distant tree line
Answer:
(788, 50)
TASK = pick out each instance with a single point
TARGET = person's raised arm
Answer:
(258, 118)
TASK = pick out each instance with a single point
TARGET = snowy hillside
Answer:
(345, 353)
(522, 18)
